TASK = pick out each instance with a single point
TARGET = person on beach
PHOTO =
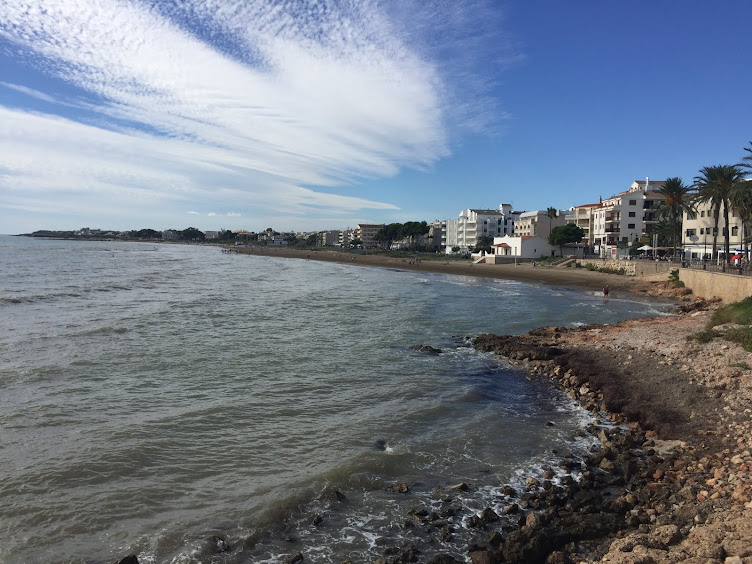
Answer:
(605, 291)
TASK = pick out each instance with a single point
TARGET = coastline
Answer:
(523, 272)
(671, 483)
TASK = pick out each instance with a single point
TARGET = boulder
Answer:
(426, 349)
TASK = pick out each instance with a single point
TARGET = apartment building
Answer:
(537, 223)
(471, 224)
(626, 218)
(699, 229)
(366, 233)
(582, 216)
(327, 238)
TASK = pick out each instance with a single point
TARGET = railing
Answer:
(741, 270)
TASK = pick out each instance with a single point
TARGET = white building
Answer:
(346, 237)
(464, 231)
(698, 229)
(583, 216)
(626, 218)
(537, 223)
(523, 247)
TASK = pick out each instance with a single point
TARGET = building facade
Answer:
(366, 233)
(537, 223)
(528, 247)
(471, 224)
(698, 230)
(626, 219)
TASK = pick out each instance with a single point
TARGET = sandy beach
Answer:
(526, 272)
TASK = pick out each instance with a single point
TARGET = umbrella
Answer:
(645, 248)
(735, 257)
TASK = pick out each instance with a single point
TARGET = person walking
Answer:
(605, 291)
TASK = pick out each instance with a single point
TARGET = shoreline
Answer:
(523, 272)
(671, 483)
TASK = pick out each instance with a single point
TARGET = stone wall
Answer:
(633, 267)
(729, 288)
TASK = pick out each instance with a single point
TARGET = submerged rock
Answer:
(426, 349)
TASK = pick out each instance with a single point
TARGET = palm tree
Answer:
(551, 213)
(741, 197)
(677, 201)
(715, 185)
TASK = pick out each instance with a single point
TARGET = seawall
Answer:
(728, 287)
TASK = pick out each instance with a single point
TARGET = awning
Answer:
(736, 257)
(645, 248)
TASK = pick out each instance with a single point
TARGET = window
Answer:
(632, 214)
(690, 232)
(734, 231)
(702, 231)
(632, 202)
(692, 215)
(702, 213)
(630, 226)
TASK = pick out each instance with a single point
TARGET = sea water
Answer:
(153, 396)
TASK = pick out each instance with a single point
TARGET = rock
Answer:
(494, 539)
(426, 349)
(217, 544)
(130, 559)
(443, 559)
(508, 491)
(667, 534)
(399, 487)
(489, 515)
(293, 558)
(332, 496)
(483, 557)
(463, 487)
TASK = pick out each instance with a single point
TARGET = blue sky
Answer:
(316, 115)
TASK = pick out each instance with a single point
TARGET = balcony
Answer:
(613, 229)
(613, 217)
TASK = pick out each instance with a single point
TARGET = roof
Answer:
(487, 212)
(501, 245)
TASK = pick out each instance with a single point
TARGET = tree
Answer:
(226, 235)
(148, 234)
(551, 213)
(484, 243)
(192, 234)
(564, 234)
(715, 185)
(741, 196)
(355, 242)
(388, 235)
(678, 201)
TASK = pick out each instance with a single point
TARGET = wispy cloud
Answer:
(233, 103)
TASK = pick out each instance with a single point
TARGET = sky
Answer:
(311, 115)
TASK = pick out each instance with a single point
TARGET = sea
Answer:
(188, 405)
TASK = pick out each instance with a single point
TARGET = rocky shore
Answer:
(670, 481)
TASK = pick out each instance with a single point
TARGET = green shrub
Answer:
(742, 336)
(739, 312)
(704, 336)
(674, 279)
(743, 365)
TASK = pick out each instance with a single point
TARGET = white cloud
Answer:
(292, 94)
